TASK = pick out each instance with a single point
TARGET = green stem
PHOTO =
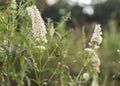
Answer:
(79, 74)
(40, 67)
(49, 56)
(95, 80)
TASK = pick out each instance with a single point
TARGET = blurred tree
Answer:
(105, 11)
(77, 12)
(51, 12)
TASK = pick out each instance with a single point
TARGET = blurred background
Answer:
(82, 11)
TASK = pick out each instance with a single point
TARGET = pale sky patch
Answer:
(88, 10)
(82, 1)
(51, 2)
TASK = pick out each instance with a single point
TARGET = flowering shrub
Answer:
(41, 54)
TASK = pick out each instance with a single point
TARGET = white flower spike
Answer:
(13, 4)
(39, 29)
(93, 60)
(96, 39)
(86, 76)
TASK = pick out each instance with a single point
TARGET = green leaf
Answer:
(22, 61)
(28, 81)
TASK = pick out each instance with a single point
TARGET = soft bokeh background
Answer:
(87, 13)
(84, 11)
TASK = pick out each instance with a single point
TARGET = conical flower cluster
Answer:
(39, 29)
(13, 4)
(96, 39)
(92, 58)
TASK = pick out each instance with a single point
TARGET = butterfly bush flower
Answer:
(92, 57)
(42, 48)
(93, 60)
(13, 4)
(86, 76)
(38, 26)
(96, 39)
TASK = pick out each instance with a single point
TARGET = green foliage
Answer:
(60, 62)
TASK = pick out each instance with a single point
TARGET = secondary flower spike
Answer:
(38, 25)
(13, 4)
(96, 39)
(93, 60)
